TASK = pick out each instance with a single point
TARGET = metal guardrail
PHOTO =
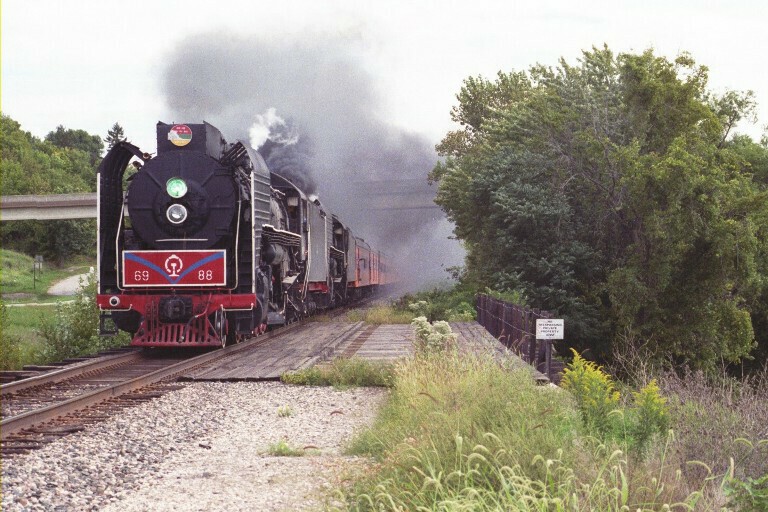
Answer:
(515, 327)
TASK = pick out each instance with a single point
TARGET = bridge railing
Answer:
(515, 327)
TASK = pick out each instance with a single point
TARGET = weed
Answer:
(283, 449)
(717, 420)
(594, 391)
(73, 329)
(343, 372)
(10, 350)
(285, 411)
(432, 338)
(650, 415)
(379, 314)
(452, 305)
(463, 433)
(748, 494)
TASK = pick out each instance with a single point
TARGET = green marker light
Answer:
(176, 187)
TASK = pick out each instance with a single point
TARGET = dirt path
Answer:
(68, 286)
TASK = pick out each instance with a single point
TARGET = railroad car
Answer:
(204, 246)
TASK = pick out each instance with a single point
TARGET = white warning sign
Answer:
(550, 329)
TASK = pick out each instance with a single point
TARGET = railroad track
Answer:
(30, 371)
(41, 409)
(56, 405)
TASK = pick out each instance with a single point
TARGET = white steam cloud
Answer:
(270, 126)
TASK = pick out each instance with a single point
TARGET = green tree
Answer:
(63, 163)
(609, 192)
(77, 139)
(114, 135)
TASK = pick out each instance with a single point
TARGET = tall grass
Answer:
(343, 373)
(10, 344)
(722, 423)
(17, 277)
(464, 433)
(380, 314)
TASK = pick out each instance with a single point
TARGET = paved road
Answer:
(68, 286)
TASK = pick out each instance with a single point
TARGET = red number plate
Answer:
(174, 268)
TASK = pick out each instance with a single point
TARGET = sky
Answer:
(89, 63)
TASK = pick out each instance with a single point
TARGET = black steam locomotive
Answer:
(207, 246)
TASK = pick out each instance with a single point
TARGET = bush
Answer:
(432, 338)
(74, 328)
(343, 372)
(633, 425)
(453, 305)
(10, 350)
(594, 392)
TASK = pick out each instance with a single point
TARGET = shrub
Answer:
(594, 391)
(749, 494)
(633, 425)
(10, 350)
(432, 338)
(343, 372)
(74, 328)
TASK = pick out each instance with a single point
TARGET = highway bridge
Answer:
(383, 195)
(49, 207)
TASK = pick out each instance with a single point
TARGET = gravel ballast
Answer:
(203, 447)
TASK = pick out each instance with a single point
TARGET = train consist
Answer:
(207, 246)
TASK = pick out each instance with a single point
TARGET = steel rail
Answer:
(14, 424)
(68, 372)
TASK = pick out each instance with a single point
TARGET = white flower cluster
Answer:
(436, 337)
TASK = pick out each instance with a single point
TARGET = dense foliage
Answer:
(74, 329)
(65, 162)
(612, 192)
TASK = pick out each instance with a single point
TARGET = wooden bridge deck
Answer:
(324, 341)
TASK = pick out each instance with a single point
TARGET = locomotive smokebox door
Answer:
(182, 197)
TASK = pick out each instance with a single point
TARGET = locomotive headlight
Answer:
(176, 187)
(176, 213)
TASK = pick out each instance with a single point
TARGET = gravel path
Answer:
(68, 286)
(203, 447)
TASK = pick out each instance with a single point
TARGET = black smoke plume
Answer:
(336, 142)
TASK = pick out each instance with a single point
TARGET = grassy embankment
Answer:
(488, 438)
(23, 333)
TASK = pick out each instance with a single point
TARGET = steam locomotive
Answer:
(207, 246)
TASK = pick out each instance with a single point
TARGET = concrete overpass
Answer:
(50, 207)
(83, 206)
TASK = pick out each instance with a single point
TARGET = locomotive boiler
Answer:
(204, 246)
